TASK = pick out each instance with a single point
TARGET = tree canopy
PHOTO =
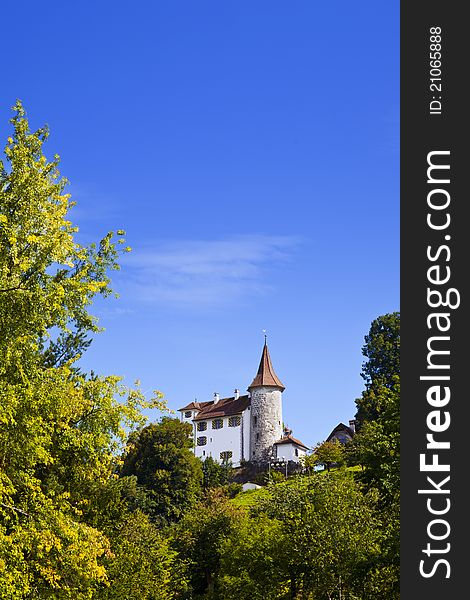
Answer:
(160, 457)
(60, 430)
(382, 368)
(328, 453)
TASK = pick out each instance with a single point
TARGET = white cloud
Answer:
(208, 273)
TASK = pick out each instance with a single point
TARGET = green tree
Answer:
(215, 474)
(60, 431)
(382, 350)
(142, 564)
(197, 538)
(254, 557)
(376, 446)
(328, 454)
(161, 458)
(313, 537)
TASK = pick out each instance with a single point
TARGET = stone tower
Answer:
(266, 410)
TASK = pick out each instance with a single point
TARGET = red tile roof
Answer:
(289, 439)
(266, 375)
(225, 407)
(195, 405)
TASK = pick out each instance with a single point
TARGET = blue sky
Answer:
(251, 152)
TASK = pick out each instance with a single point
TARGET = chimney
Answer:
(216, 397)
(352, 425)
(237, 393)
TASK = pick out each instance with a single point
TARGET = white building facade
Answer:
(246, 428)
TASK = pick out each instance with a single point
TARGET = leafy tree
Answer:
(215, 474)
(376, 446)
(47, 279)
(382, 350)
(60, 431)
(142, 564)
(328, 454)
(161, 458)
(197, 538)
(313, 537)
(253, 561)
(271, 476)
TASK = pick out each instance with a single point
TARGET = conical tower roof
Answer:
(266, 375)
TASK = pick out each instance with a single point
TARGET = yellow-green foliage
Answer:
(60, 431)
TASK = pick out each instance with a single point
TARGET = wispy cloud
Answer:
(208, 273)
(92, 205)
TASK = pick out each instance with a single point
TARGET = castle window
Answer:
(188, 414)
(202, 426)
(255, 420)
(217, 424)
(297, 452)
(234, 421)
(257, 436)
(227, 455)
(202, 440)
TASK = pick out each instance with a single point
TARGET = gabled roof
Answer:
(225, 407)
(195, 406)
(289, 439)
(266, 375)
(341, 427)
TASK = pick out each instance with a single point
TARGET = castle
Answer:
(246, 428)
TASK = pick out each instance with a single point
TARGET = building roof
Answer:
(289, 439)
(266, 375)
(225, 407)
(340, 427)
(195, 405)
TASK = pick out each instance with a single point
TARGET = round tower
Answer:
(266, 410)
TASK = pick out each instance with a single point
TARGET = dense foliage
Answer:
(60, 431)
(97, 505)
(159, 456)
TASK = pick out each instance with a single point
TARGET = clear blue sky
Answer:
(251, 152)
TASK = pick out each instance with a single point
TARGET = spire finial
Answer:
(265, 337)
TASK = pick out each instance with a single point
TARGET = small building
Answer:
(244, 428)
(289, 448)
(343, 433)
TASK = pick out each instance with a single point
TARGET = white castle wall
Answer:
(219, 440)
